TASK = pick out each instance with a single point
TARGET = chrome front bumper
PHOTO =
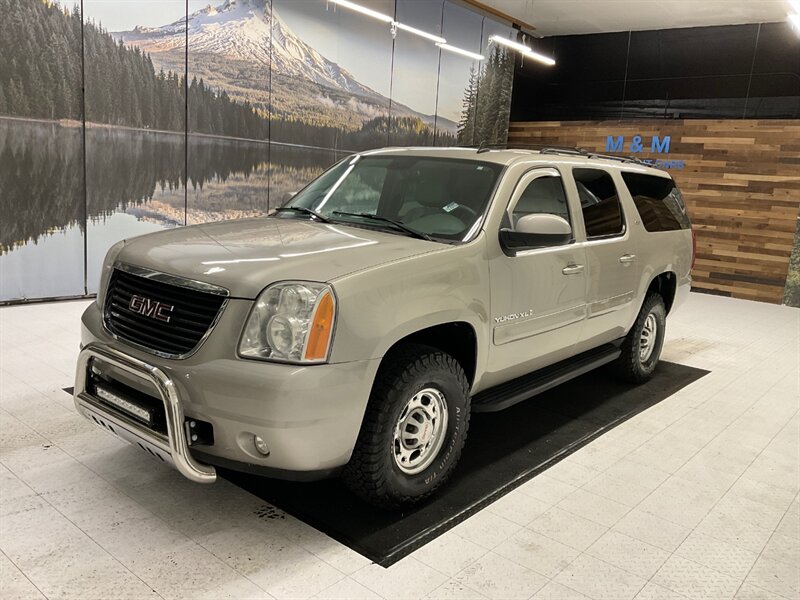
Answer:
(172, 448)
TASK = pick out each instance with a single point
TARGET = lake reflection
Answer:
(133, 186)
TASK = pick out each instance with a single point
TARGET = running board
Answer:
(510, 393)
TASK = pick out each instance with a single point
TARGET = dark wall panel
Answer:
(689, 73)
(702, 72)
(775, 86)
(589, 78)
(691, 53)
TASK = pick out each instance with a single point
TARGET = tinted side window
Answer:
(602, 211)
(658, 201)
(543, 195)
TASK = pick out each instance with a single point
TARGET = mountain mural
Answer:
(230, 49)
(264, 108)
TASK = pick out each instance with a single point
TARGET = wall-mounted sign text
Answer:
(637, 145)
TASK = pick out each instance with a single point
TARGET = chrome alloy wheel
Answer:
(647, 341)
(420, 431)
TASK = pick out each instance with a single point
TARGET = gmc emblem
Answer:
(151, 308)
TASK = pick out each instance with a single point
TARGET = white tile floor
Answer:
(696, 497)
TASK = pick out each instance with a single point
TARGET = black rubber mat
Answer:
(504, 450)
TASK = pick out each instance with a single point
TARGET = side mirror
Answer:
(536, 231)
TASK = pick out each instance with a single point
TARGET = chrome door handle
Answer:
(572, 270)
(627, 258)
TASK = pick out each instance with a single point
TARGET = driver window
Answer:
(361, 191)
(543, 195)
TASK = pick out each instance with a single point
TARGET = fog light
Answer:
(261, 445)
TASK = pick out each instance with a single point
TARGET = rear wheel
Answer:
(413, 430)
(641, 348)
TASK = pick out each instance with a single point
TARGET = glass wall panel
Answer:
(415, 71)
(292, 168)
(228, 110)
(135, 64)
(41, 150)
(307, 80)
(458, 77)
(494, 87)
(331, 74)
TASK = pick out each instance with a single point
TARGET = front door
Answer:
(537, 301)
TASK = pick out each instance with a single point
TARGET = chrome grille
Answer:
(160, 313)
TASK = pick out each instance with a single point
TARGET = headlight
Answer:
(291, 322)
(105, 271)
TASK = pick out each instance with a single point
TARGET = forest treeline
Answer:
(123, 88)
(377, 132)
(40, 60)
(40, 77)
(487, 101)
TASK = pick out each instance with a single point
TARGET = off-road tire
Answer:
(629, 366)
(372, 473)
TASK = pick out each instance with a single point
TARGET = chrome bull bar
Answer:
(173, 447)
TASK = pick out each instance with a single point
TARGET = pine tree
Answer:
(502, 110)
(494, 98)
(466, 125)
(486, 100)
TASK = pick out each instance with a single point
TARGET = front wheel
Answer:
(641, 348)
(414, 428)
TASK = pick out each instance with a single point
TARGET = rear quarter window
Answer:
(659, 202)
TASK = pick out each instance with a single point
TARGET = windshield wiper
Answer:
(399, 224)
(308, 211)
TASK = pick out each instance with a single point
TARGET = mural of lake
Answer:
(198, 112)
(133, 186)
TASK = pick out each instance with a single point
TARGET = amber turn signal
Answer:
(319, 335)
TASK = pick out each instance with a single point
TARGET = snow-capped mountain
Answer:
(241, 30)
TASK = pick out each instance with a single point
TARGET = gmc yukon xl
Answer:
(356, 329)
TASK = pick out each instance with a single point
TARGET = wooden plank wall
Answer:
(741, 183)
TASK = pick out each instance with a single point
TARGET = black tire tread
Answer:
(626, 366)
(365, 473)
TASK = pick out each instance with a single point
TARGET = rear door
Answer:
(665, 242)
(612, 266)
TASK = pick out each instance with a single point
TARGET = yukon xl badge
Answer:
(151, 308)
(514, 316)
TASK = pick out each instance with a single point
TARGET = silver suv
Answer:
(356, 329)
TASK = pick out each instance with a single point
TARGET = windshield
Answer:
(441, 198)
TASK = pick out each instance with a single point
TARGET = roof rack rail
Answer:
(562, 150)
(483, 147)
(625, 159)
(551, 149)
(543, 148)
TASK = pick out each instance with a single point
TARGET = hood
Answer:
(245, 256)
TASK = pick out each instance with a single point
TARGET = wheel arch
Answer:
(664, 284)
(459, 339)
